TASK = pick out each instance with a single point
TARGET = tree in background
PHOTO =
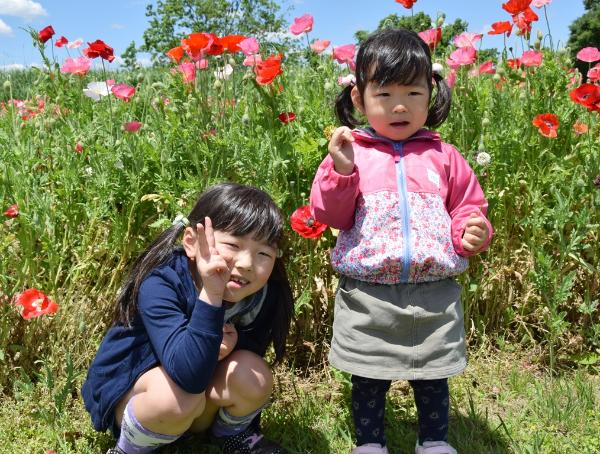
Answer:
(585, 31)
(130, 57)
(171, 20)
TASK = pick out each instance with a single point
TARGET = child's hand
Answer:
(212, 267)
(340, 149)
(230, 338)
(476, 233)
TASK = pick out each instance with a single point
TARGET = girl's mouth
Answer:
(399, 123)
(238, 282)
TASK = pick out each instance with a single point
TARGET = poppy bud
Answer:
(497, 77)
(523, 96)
(217, 84)
(501, 70)
(537, 45)
(245, 118)
(440, 20)
(6, 85)
(231, 61)
(328, 86)
(140, 77)
(540, 35)
(485, 121)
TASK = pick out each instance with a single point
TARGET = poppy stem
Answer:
(548, 25)
(110, 112)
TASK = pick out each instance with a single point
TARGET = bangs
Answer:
(399, 68)
(244, 210)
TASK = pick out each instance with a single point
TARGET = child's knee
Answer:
(250, 375)
(180, 406)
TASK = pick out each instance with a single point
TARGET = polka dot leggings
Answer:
(368, 409)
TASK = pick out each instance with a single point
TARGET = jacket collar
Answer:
(369, 135)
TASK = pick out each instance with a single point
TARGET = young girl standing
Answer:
(192, 325)
(410, 211)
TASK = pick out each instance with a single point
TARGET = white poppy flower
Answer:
(225, 72)
(96, 90)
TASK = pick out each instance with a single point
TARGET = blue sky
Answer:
(118, 22)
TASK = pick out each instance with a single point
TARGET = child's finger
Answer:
(203, 247)
(210, 235)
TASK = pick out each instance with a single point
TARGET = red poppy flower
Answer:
(501, 27)
(232, 42)
(60, 42)
(408, 4)
(78, 147)
(267, 70)
(513, 63)
(35, 303)
(516, 6)
(132, 126)
(45, 33)
(12, 211)
(216, 47)
(196, 45)
(305, 224)
(99, 49)
(547, 124)
(587, 95)
(286, 117)
(175, 54)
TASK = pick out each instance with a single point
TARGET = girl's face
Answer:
(394, 111)
(251, 263)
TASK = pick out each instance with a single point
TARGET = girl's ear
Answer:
(190, 242)
(357, 99)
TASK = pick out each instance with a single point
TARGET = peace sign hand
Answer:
(212, 267)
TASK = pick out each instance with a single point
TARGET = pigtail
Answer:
(279, 284)
(344, 108)
(439, 110)
(154, 256)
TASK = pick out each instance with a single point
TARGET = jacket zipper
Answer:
(403, 192)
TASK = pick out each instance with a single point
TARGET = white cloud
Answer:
(115, 26)
(12, 67)
(25, 9)
(4, 28)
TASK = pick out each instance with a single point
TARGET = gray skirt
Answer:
(400, 331)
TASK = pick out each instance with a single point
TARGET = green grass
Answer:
(503, 403)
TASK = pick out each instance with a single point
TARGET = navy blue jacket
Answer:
(173, 329)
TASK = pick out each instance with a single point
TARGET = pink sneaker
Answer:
(435, 447)
(370, 448)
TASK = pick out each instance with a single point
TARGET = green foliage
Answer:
(171, 20)
(129, 57)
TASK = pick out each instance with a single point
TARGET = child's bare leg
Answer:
(160, 405)
(242, 383)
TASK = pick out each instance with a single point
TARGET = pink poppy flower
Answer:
(344, 54)
(252, 60)
(540, 3)
(531, 58)
(132, 126)
(451, 78)
(249, 46)
(432, 37)
(75, 44)
(462, 56)
(188, 70)
(202, 63)
(35, 303)
(580, 128)
(12, 211)
(320, 45)
(594, 73)
(78, 147)
(588, 54)
(302, 24)
(123, 91)
(467, 39)
(78, 65)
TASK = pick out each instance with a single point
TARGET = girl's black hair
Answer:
(233, 208)
(395, 56)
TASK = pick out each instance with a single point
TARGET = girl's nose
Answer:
(400, 107)
(243, 259)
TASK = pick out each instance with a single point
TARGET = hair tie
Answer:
(348, 80)
(181, 219)
(438, 69)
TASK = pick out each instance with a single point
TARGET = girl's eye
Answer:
(265, 254)
(383, 94)
(231, 245)
(415, 93)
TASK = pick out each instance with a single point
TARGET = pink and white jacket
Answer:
(402, 212)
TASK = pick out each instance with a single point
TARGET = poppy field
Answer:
(96, 161)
